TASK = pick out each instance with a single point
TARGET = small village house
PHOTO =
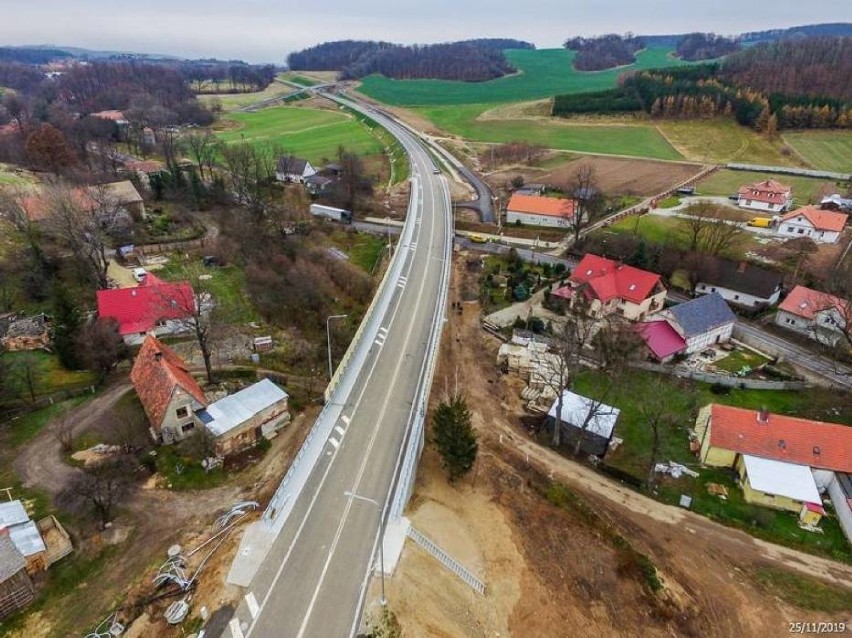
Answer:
(155, 306)
(836, 203)
(240, 420)
(167, 390)
(739, 283)
(540, 211)
(41, 544)
(111, 116)
(113, 197)
(582, 417)
(612, 287)
(689, 327)
(767, 196)
(293, 169)
(839, 489)
(821, 226)
(781, 460)
(16, 586)
(822, 317)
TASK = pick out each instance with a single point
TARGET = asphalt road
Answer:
(313, 579)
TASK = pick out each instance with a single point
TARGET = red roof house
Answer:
(611, 286)
(539, 211)
(820, 316)
(155, 305)
(725, 432)
(169, 394)
(767, 195)
(822, 226)
(663, 340)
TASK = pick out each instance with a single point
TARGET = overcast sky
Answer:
(266, 30)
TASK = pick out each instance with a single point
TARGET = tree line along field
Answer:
(311, 133)
(541, 73)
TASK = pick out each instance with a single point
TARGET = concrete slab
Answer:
(394, 541)
(254, 546)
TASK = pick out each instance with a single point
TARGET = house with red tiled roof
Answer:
(155, 306)
(822, 317)
(169, 394)
(768, 196)
(822, 226)
(611, 287)
(533, 210)
(782, 461)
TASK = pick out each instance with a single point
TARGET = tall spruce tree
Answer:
(65, 327)
(454, 436)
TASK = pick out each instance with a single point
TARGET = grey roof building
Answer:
(702, 314)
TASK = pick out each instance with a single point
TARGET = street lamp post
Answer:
(384, 600)
(328, 338)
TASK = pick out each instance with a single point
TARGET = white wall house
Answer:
(822, 226)
(840, 491)
(531, 210)
(701, 322)
(738, 297)
(767, 196)
(820, 316)
(293, 169)
(739, 283)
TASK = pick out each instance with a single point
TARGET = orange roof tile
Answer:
(819, 219)
(782, 438)
(805, 302)
(534, 205)
(768, 191)
(157, 372)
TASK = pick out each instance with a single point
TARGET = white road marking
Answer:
(385, 330)
(334, 442)
(345, 419)
(251, 601)
(339, 430)
(236, 631)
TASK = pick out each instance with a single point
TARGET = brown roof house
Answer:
(16, 587)
(168, 392)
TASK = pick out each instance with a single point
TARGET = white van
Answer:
(139, 274)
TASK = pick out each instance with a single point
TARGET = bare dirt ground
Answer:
(147, 524)
(555, 571)
(615, 176)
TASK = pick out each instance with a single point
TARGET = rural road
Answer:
(314, 576)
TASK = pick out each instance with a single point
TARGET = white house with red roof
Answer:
(767, 196)
(155, 306)
(822, 317)
(782, 461)
(822, 226)
(532, 210)
(609, 286)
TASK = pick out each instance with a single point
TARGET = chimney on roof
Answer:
(763, 416)
(742, 266)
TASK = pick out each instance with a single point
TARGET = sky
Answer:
(266, 30)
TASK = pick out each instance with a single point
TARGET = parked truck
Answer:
(761, 222)
(330, 212)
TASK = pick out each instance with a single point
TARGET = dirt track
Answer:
(548, 571)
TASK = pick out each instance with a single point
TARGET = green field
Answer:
(541, 73)
(639, 140)
(310, 133)
(829, 150)
(236, 101)
(726, 182)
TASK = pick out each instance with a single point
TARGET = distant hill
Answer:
(671, 40)
(468, 60)
(32, 55)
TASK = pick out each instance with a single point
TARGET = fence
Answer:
(10, 413)
(167, 247)
(786, 170)
(722, 379)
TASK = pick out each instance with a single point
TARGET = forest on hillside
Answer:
(469, 60)
(705, 46)
(784, 85)
(604, 52)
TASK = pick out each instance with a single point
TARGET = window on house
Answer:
(748, 202)
(187, 427)
(801, 231)
(789, 230)
(182, 412)
(736, 296)
(712, 290)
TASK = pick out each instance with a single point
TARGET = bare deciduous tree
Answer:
(103, 485)
(657, 414)
(707, 229)
(588, 201)
(202, 147)
(63, 431)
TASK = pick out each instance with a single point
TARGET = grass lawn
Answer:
(726, 182)
(301, 80)
(635, 140)
(738, 359)
(182, 473)
(49, 375)
(13, 176)
(541, 73)
(314, 134)
(669, 202)
(226, 285)
(366, 250)
(828, 150)
(22, 429)
(684, 398)
(236, 101)
(804, 592)
(723, 140)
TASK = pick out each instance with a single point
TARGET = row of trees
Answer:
(470, 61)
(705, 46)
(604, 52)
(239, 77)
